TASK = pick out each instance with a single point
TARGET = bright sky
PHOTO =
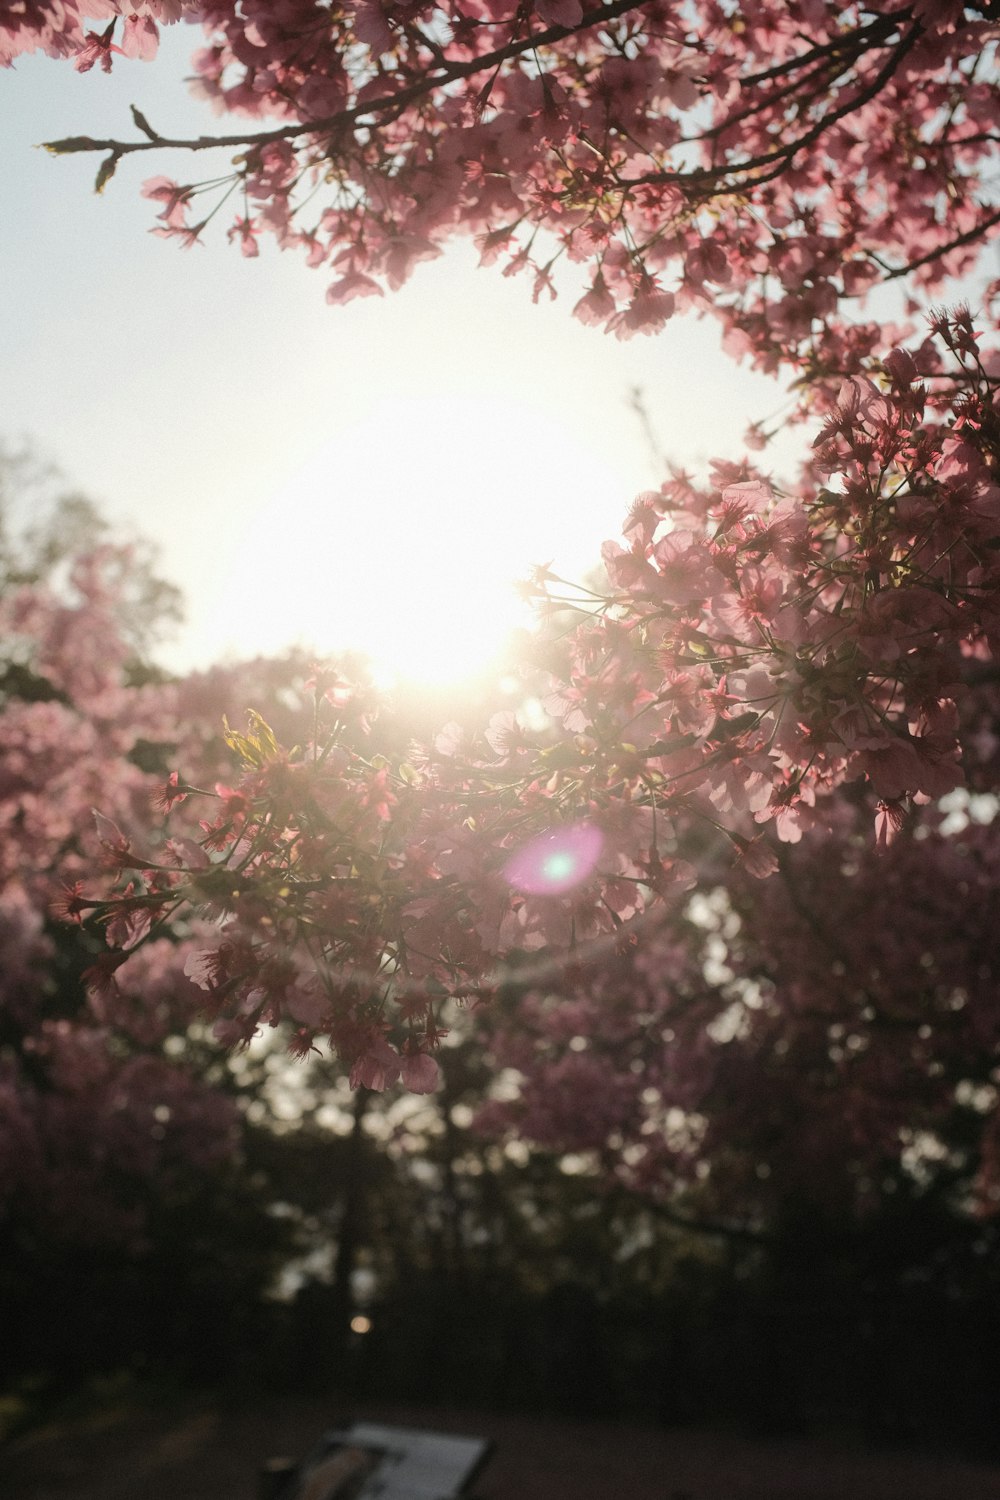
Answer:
(373, 476)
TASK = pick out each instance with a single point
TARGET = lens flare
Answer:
(556, 861)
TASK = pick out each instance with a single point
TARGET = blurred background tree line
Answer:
(178, 1214)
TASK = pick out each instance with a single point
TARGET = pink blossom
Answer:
(353, 284)
(130, 926)
(597, 305)
(187, 854)
(420, 1073)
(172, 195)
(377, 1068)
(164, 796)
(247, 231)
(187, 235)
(140, 38)
(97, 47)
(113, 841)
(757, 857)
(649, 310)
(889, 819)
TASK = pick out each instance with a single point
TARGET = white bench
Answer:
(368, 1461)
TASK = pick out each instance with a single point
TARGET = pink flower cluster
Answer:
(761, 663)
(59, 28)
(758, 650)
(99, 1100)
(770, 168)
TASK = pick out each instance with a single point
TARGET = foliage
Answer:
(127, 1207)
(45, 528)
(765, 669)
(772, 160)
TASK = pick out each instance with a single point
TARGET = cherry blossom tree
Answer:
(764, 669)
(117, 1128)
(778, 683)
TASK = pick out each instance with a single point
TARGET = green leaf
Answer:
(258, 745)
(261, 735)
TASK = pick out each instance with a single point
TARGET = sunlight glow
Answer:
(405, 535)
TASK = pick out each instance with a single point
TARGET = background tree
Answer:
(130, 1214)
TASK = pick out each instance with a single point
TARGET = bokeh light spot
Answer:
(555, 861)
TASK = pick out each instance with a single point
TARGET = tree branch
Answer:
(960, 239)
(357, 113)
(782, 156)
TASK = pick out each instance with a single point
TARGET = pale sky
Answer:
(371, 476)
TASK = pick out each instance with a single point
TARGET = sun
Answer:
(405, 535)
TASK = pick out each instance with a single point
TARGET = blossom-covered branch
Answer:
(762, 166)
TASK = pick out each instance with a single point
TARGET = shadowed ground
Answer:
(211, 1450)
